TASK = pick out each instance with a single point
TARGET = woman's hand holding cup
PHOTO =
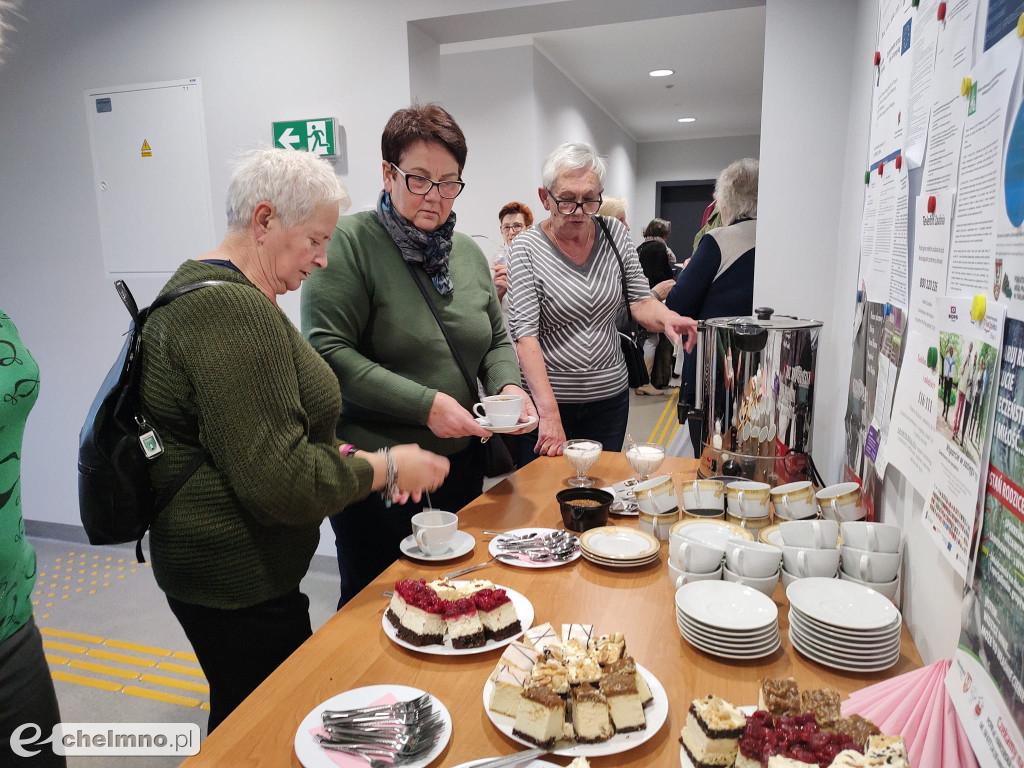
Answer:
(447, 418)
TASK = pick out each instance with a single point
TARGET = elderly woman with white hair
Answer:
(566, 280)
(227, 378)
(719, 279)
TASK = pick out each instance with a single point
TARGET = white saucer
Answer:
(462, 543)
(483, 422)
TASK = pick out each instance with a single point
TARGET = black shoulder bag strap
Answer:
(140, 317)
(622, 266)
(470, 381)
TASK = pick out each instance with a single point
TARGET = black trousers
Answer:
(239, 648)
(27, 696)
(367, 533)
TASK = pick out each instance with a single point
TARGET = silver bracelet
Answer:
(391, 477)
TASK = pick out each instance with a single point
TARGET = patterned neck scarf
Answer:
(429, 249)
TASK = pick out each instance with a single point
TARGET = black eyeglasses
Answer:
(569, 207)
(420, 185)
(512, 227)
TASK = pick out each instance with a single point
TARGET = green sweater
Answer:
(19, 388)
(224, 368)
(364, 314)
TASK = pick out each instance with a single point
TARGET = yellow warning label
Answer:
(146, 150)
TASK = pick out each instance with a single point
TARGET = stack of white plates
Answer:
(617, 547)
(843, 625)
(726, 619)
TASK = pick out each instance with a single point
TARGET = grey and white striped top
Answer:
(571, 309)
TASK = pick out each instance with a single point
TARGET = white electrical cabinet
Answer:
(152, 175)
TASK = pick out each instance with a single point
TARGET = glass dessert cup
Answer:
(581, 455)
(645, 459)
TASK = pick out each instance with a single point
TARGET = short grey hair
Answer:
(572, 156)
(736, 191)
(296, 183)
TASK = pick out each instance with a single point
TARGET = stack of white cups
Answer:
(693, 558)
(809, 549)
(872, 555)
(752, 564)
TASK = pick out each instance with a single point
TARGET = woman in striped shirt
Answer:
(565, 289)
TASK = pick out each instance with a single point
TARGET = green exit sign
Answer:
(317, 136)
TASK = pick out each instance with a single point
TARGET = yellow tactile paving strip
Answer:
(667, 425)
(110, 664)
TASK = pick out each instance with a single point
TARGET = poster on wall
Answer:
(922, 66)
(860, 407)
(1008, 276)
(969, 351)
(986, 678)
(890, 353)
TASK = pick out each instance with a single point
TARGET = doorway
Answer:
(682, 203)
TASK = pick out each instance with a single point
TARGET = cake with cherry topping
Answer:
(798, 738)
(416, 613)
(463, 624)
(497, 614)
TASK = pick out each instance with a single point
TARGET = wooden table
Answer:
(351, 650)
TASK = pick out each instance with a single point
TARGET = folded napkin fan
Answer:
(917, 706)
(351, 761)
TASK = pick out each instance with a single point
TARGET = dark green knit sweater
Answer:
(364, 314)
(223, 367)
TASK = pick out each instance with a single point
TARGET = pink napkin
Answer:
(350, 761)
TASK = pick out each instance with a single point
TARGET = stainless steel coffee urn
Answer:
(754, 396)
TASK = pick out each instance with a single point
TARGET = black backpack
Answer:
(115, 446)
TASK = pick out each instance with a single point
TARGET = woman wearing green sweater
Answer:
(224, 369)
(367, 317)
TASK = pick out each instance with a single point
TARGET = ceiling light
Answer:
(661, 72)
(687, 120)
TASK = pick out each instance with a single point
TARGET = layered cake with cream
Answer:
(712, 732)
(541, 717)
(627, 710)
(416, 613)
(628, 665)
(590, 715)
(497, 614)
(798, 738)
(542, 637)
(518, 655)
(463, 624)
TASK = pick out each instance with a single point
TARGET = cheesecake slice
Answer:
(712, 732)
(627, 710)
(541, 717)
(892, 750)
(418, 615)
(628, 664)
(590, 715)
(507, 691)
(581, 633)
(463, 624)
(497, 614)
(542, 637)
(518, 655)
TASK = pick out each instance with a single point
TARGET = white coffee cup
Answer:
(794, 501)
(434, 530)
(704, 495)
(752, 558)
(749, 499)
(500, 410)
(788, 578)
(887, 588)
(870, 566)
(819, 534)
(693, 555)
(808, 561)
(874, 537)
(657, 496)
(842, 502)
(763, 584)
(679, 577)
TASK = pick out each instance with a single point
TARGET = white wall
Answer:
(683, 160)
(565, 113)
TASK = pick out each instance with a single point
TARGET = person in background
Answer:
(949, 371)
(614, 207)
(226, 371)
(26, 688)
(653, 253)
(963, 387)
(513, 218)
(970, 397)
(980, 387)
(565, 291)
(366, 315)
(719, 279)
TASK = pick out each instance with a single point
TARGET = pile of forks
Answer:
(386, 735)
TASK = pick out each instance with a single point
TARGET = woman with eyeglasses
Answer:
(565, 287)
(513, 218)
(367, 314)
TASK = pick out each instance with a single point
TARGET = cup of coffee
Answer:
(843, 502)
(794, 501)
(434, 530)
(500, 410)
(704, 498)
